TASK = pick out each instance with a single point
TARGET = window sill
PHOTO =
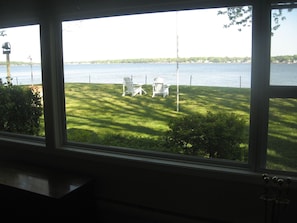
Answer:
(212, 169)
(202, 168)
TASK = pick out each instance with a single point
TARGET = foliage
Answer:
(242, 17)
(20, 109)
(217, 135)
(238, 16)
(284, 59)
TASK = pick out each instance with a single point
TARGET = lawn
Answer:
(98, 113)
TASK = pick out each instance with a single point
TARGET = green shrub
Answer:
(20, 109)
(216, 135)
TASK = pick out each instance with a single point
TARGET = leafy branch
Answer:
(238, 16)
(2, 33)
(242, 17)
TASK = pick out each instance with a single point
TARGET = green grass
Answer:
(282, 140)
(103, 109)
(98, 113)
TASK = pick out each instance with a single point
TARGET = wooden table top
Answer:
(47, 182)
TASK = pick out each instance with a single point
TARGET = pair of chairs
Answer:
(159, 87)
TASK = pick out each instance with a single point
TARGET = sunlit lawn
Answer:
(103, 109)
(94, 111)
(282, 140)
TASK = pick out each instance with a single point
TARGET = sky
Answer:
(194, 33)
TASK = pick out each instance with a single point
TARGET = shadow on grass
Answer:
(282, 134)
(282, 154)
(118, 140)
(82, 135)
(102, 108)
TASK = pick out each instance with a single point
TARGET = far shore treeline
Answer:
(275, 59)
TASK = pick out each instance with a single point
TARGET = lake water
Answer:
(225, 75)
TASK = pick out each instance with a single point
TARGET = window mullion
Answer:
(53, 81)
(260, 84)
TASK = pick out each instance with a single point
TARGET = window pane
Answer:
(204, 68)
(20, 81)
(282, 135)
(284, 47)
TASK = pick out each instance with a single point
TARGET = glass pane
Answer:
(128, 77)
(282, 135)
(20, 81)
(284, 47)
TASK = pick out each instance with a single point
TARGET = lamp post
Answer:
(30, 58)
(6, 50)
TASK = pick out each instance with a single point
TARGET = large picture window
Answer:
(174, 82)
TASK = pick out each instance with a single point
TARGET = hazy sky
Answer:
(200, 33)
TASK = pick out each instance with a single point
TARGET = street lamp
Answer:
(6, 50)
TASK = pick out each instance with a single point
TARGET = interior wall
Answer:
(132, 191)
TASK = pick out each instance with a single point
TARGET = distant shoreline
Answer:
(286, 59)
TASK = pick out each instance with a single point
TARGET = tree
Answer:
(242, 17)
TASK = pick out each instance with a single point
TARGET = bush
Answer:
(20, 109)
(216, 135)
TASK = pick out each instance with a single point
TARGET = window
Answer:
(282, 129)
(206, 67)
(20, 81)
(284, 48)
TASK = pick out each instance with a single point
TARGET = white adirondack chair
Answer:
(160, 88)
(129, 88)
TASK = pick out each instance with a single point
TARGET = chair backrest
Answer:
(128, 82)
(158, 84)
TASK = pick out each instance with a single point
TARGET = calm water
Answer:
(225, 75)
